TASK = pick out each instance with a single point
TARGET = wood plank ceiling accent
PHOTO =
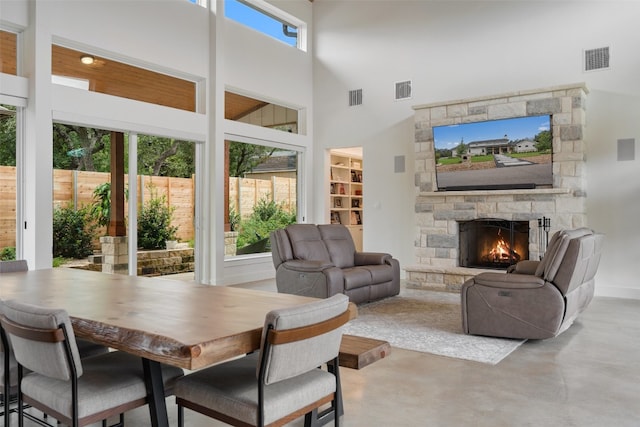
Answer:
(8, 53)
(237, 106)
(123, 80)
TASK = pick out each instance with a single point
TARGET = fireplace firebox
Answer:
(493, 243)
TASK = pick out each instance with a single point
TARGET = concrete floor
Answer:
(587, 376)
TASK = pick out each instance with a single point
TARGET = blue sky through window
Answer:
(448, 137)
(250, 17)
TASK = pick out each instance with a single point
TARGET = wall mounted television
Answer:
(504, 154)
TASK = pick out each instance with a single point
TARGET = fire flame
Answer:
(502, 251)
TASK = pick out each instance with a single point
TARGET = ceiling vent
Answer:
(355, 97)
(596, 59)
(403, 90)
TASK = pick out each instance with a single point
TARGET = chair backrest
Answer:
(327, 242)
(339, 243)
(556, 250)
(580, 262)
(13, 266)
(299, 339)
(31, 330)
(281, 250)
(306, 242)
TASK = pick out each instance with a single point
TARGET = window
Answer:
(8, 182)
(260, 113)
(164, 197)
(99, 74)
(262, 195)
(265, 18)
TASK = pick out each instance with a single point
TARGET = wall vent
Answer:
(355, 97)
(403, 90)
(596, 59)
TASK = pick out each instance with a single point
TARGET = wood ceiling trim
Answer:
(8, 53)
(123, 80)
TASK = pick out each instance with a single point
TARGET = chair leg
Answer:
(180, 416)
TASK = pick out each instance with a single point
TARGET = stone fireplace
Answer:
(438, 214)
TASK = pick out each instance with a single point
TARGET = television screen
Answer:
(494, 155)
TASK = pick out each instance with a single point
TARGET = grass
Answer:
(478, 159)
(58, 261)
(449, 160)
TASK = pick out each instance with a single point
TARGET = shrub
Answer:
(72, 233)
(8, 253)
(234, 219)
(101, 208)
(266, 217)
(154, 224)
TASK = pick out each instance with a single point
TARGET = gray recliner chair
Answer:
(321, 261)
(535, 299)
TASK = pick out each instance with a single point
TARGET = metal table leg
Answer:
(155, 393)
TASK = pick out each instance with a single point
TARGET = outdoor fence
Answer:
(76, 188)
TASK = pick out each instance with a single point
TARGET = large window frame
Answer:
(273, 143)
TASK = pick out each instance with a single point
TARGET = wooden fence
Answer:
(76, 188)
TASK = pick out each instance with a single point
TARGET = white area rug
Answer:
(429, 322)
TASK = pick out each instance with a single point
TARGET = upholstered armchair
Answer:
(535, 300)
(321, 261)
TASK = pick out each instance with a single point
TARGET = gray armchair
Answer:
(535, 300)
(321, 261)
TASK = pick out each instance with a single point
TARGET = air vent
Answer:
(596, 59)
(355, 97)
(403, 90)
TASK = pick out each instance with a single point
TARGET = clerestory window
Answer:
(267, 19)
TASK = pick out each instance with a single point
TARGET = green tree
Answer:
(74, 147)
(543, 140)
(89, 149)
(7, 136)
(165, 157)
(244, 157)
(461, 149)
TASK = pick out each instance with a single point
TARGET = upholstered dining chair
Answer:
(73, 391)
(8, 374)
(281, 382)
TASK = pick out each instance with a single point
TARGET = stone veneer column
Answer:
(230, 243)
(438, 213)
(115, 254)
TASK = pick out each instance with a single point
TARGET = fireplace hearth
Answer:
(493, 243)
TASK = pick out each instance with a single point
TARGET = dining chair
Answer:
(284, 380)
(74, 391)
(8, 375)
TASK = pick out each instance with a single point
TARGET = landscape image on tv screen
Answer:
(494, 155)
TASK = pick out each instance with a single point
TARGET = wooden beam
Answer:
(117, 226)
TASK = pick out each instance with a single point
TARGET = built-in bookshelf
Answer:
(346, 194)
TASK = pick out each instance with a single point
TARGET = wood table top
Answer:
(178, 323)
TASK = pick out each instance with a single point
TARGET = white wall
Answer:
(462, 49)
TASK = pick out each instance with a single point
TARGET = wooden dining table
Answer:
(167, 321)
